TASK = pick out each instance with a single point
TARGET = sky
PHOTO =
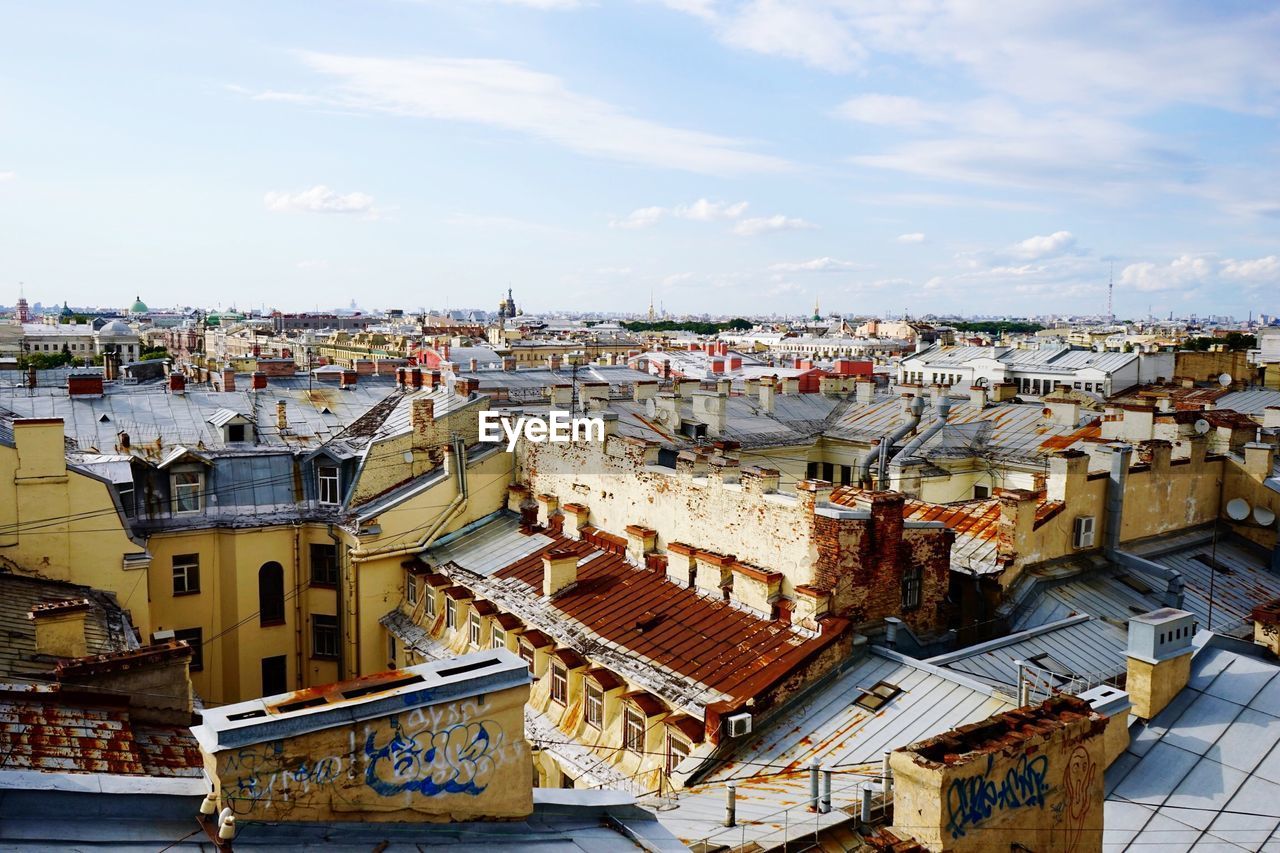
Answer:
(713, 156)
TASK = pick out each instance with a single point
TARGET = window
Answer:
(450, 613)
(633, 730)
(473, 628)
(195, 639)
(498, 637)
(235, 432)
(324, 636)
(391, 651)
(594, 705)
(559, 684)
(324, 565)
(328, 476)
(186, 574)
(677, 751)
(411, 590)
(911, 583)
(271, 594)
(187, 491)
(526, 655)
(430, 608)
(982, 491)
(275, 675)
(874, 697)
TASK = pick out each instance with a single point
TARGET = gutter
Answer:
(864, 464)
(1174, 594)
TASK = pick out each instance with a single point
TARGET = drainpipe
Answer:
(1174, 593)
(913, 421)
(338, 553)
(944, 410)
(297, 601)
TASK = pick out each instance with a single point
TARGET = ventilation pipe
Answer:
(944, 410)
(1174, 592)
(913, 421)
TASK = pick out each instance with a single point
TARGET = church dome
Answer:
(116, 329)
(139, 307)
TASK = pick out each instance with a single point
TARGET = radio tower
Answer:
(1111, 286)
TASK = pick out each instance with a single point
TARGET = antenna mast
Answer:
(1111, 286)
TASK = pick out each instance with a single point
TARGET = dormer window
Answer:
(235, 432)
(188, 491)
(329, 482)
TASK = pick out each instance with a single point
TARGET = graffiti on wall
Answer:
(1078, 784)
(427, 752)
(974, 799)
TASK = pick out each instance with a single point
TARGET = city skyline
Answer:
(718, 158)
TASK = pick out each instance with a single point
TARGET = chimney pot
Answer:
(559, 571)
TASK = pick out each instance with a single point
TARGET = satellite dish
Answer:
(1238, 509)
(1202, 426)
(650, 408)
(1264, 516)
(1224, 380)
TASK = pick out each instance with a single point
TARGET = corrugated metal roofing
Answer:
(106, 626)
(1202, 775)
(1087, 649)
(494, 546)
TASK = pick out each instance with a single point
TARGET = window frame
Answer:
(633, 729)
(329, 578)
(450, 613)
(474, 624)
(197, 647)
(593, 705)
(326, 483)
(181, 491)
(497, 636)
(559, 675)
(912, 588)
(272, 619)
(429, 608)
(321, 622)
(684, 748)
(186, 568)
(411, 589)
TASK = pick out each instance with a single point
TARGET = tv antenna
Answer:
(1111, 286)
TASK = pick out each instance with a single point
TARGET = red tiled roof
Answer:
(705, 640)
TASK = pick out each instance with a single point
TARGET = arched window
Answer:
(271, 594)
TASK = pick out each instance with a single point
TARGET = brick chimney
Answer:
(640, 541)
(259, 380)
(559, 571)
(177, 383)
(402, 377)
(349, 378)
(282, 416)
(768, 394)
(415, 377)
(155, 678)
(60, 627)
(84, 385)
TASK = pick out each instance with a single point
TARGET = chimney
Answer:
(561, 395)
(791, 385)
(84, 385)
(473, 365)
(1068, 472)
(177, 383)
(767, 394)
(433, 379)
(402, 377)
(349, 379)
(1015, 525)
(1266, 625)
(1271, 417)
(735, 363)
(645, 389)
(1259, 460)
(508, 363)
(956, 791)
(640, 541)
(259, 380)
(553, 362)
(760, 481)
(60, 627)
(282, 416)
(422, 419)
(559, 571)
(31, 377)
(978, 396)
(1062, 412)
(155, 678)
(710, 408)
(1159, 658)
(415, 378)
(717, 365)
(1003, 392)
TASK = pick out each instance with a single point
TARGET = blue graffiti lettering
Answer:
(971, 801)
(455, 760)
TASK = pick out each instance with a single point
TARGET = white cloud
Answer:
(768, 224)
(914, 237)
(1188, 272)
(8, 176)
(701, 210)
(319, 199)
(513, 97)
(817, 265)
(809, 32)
(890, 111)
(1047, 246)
(705, 9)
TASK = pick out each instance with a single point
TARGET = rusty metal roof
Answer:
(56, 729)
(974, 523)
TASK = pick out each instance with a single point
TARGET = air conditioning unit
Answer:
(1082, 533)
(739, 724)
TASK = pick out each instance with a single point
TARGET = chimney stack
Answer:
(415, 378)
(60, 627)
(1159, 659)
(282, 416)
(177, 383)
(349, 378)
(228, 379)
(559, 571)
(767, 394)
(84, 385)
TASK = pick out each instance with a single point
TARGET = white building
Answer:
(1036, 371)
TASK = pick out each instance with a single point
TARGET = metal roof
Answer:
(1082, 648)
(107, 628)
(1202, 774)
(1250, 402)
(770, 767)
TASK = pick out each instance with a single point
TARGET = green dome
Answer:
(213, 319)
(139, 307)
(66, 312)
